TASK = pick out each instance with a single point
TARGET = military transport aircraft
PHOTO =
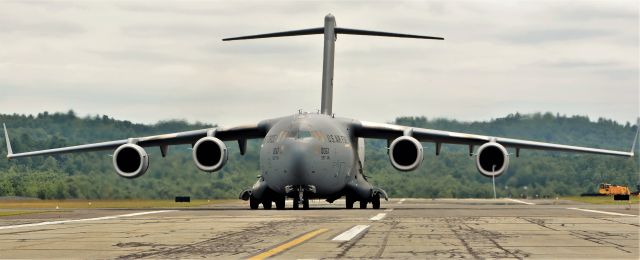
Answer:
(314, 155)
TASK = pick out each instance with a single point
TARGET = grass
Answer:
(603, 200)
(22, 212)
(88, 204)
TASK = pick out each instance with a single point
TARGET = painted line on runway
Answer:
(296, 241)
(604, 212)
(83, 220)
(519, 201)
(351, 233)
(389, 210)
(380, 216)
(402, 200)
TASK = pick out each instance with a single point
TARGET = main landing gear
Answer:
(299, 193)
(267, 202)
(375, 202)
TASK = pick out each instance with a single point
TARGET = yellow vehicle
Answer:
(610, 189)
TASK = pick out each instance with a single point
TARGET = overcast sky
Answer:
(153, 60)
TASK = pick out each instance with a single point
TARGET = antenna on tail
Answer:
(330, 31)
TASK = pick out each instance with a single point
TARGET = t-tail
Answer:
(330, 31)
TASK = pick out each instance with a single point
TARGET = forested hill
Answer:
(452, 174)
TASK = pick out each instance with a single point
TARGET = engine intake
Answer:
(492, 159)
(130, 161)
(210, 154)
(405, 153)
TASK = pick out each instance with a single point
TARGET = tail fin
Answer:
(330, 31)
(6, 138)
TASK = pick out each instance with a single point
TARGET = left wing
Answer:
(240, 133)
(390, 131)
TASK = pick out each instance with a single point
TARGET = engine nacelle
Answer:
(130, 160)
(405, 153)
(492, 159)
(210, 154)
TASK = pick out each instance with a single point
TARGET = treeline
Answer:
(452, 174)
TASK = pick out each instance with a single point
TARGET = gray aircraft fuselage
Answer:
(311, 150)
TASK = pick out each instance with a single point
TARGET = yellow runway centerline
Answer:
(281, 248)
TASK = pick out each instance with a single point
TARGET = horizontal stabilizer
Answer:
(319, 30)
(384, 34)
(338, 30)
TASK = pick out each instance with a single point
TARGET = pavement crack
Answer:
(347, 245)
(385, 240)
(598, 238)
(456, 229)
(243, 241)
(491, 236)
(539, 222)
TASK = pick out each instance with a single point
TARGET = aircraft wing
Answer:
(390, 131)
(240, 133)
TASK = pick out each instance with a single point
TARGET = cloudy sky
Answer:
(152, 60)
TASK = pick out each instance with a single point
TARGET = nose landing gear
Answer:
(299, 202)
(300, 194)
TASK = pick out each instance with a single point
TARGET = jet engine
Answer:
(130, 160)
(492, 159)
(405, 153)
(210, 154)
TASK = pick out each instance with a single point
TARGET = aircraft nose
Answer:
(298, 166)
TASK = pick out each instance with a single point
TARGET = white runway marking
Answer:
(402, 200)
(380, 216)
(519, 201)
(83, 220)
(389, 209)
(604, 212)
(351, 233)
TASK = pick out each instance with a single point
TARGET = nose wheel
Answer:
(301, 201)
(300, 195)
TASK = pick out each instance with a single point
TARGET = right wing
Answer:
(240, 133)
(390, 131)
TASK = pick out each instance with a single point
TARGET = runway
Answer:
(402, 228)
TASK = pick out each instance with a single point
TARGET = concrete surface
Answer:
(409, 228)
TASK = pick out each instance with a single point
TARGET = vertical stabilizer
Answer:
(330, 30)
(327, 64)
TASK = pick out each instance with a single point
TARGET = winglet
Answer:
(6, 138)
(635, 139)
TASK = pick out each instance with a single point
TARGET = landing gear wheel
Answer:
(305, 203)
(280, 203)
(349, 202)
(375, 203)
(266, 204)
(253, 203)
(295, 203)
(363, 204)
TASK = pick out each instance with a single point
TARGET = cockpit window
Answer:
(282, 135)
(304, 134)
